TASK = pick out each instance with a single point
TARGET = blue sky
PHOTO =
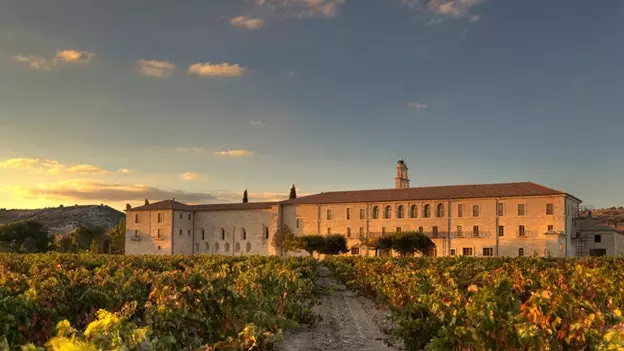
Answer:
(202, 99)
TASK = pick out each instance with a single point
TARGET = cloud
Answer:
(124, 171)
(88, 190)
(302, 8)
(475, 18)
(192, 149)
(49, 64)
(257, 123)
(153, 68)
(74, 56)
(448, 8)
(216, 70)
(51, 166)
(189, 176)
(418, 105)
(233, 153)
(247, 22)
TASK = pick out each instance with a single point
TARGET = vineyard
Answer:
(89, 302)
(496, 304)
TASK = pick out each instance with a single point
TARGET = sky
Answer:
(116, 101)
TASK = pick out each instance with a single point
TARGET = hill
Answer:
(612, 217)
(66, 219)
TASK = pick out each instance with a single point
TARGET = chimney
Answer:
(146, 202)
(401, 181)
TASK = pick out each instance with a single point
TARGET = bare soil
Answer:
(348, 322)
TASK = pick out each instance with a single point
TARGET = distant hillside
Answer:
(66, 219)
(613, 217)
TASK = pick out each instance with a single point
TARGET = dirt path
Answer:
(349, 322)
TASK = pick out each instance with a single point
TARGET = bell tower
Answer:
(401, 181)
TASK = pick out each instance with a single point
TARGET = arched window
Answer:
(388, 212)
(376, 212)
(243, 234)
(248, 247)
(440, 210)
(237, 247)
(216, 247)
(203, 234)
(427, 211)
(520, 252)
(266, 232)
(227, 247)
(207, 247)
(414, 211)
(222, 234)
(400, 211)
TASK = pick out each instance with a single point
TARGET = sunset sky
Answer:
(114, 101)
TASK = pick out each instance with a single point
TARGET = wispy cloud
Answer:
(233, 153)
(446, 8)
(88, 190)
(124, 171)
(258, 123)
(193, 149)
(153, 68)
(54, 167)
(216, 70)
(189, 176)
(418, 105)
(62, 57)
(247, 22)
(302, 8)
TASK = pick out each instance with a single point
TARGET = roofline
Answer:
(193, 208)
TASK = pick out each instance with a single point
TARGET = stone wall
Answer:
(142, 228)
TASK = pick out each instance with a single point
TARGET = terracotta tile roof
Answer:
(234, 206)
(429, 193)
(163, 205)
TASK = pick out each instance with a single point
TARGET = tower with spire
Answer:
(401, 181)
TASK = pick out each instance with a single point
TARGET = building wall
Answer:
(253, 222)
(183, 232)
(148, 242)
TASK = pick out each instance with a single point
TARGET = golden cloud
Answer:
(247, 22)
(74, 56)
(216, 70)
(153, 68)
(51, 166)
(189, 176)
(234, 153)
(49, 64)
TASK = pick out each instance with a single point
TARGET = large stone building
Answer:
(511, 219)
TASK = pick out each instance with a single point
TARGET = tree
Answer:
(285, 240)
(334, 245)
(116, 239)
(86, 238)
(408, 242)
(25, 236)
(293, 193)
(312, 243)
(245, 197)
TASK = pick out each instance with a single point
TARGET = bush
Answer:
(334, 245)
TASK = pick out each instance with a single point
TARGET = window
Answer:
(376, 212)
(452, 252)
(398, 229)
(227, 247)
(189, 232)
(189, 217)
(475, 231)
(160, 218)
(362, 213)
(207, 246)
(222, 234)
(440, 211)
(298, 222)
(355, 251)
(383, 230)
(243, 234)
(136, 234)
(521, 231)
(181, 231)
(520, 252)
(158, 247)
(348, 213)
(501, 230)
(328, 231)
(521, 209)
(197, 247)
(550, 209)
(467, 251)
(159, 234)
(400, 211)
(420, 230)
(460, 210)
(216, 247)
(488, 251)
(388, 212)
(475, 211)
(361, 231)
(330, 215)
(237, 247)
(426, 211)
(136, 218)
(266, 232)
(180, 216)
(348, 232)
(597, 238)
(500, 209)
(413, 211)
(248, 247)
(434, 231)
(203, 234)
(551, 228)
(459, 231)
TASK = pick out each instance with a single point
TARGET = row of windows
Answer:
(226, 247)
(243, 233)
(426, 211)
(487, 252)
(160, 217)
(460, 231)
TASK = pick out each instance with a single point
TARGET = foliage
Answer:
(334, 245)
(293, 193)
(102, 302)
(285, 240)
(116, 239)
(312, 243)
(25, 236)
(464, 303)
(407, 242)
